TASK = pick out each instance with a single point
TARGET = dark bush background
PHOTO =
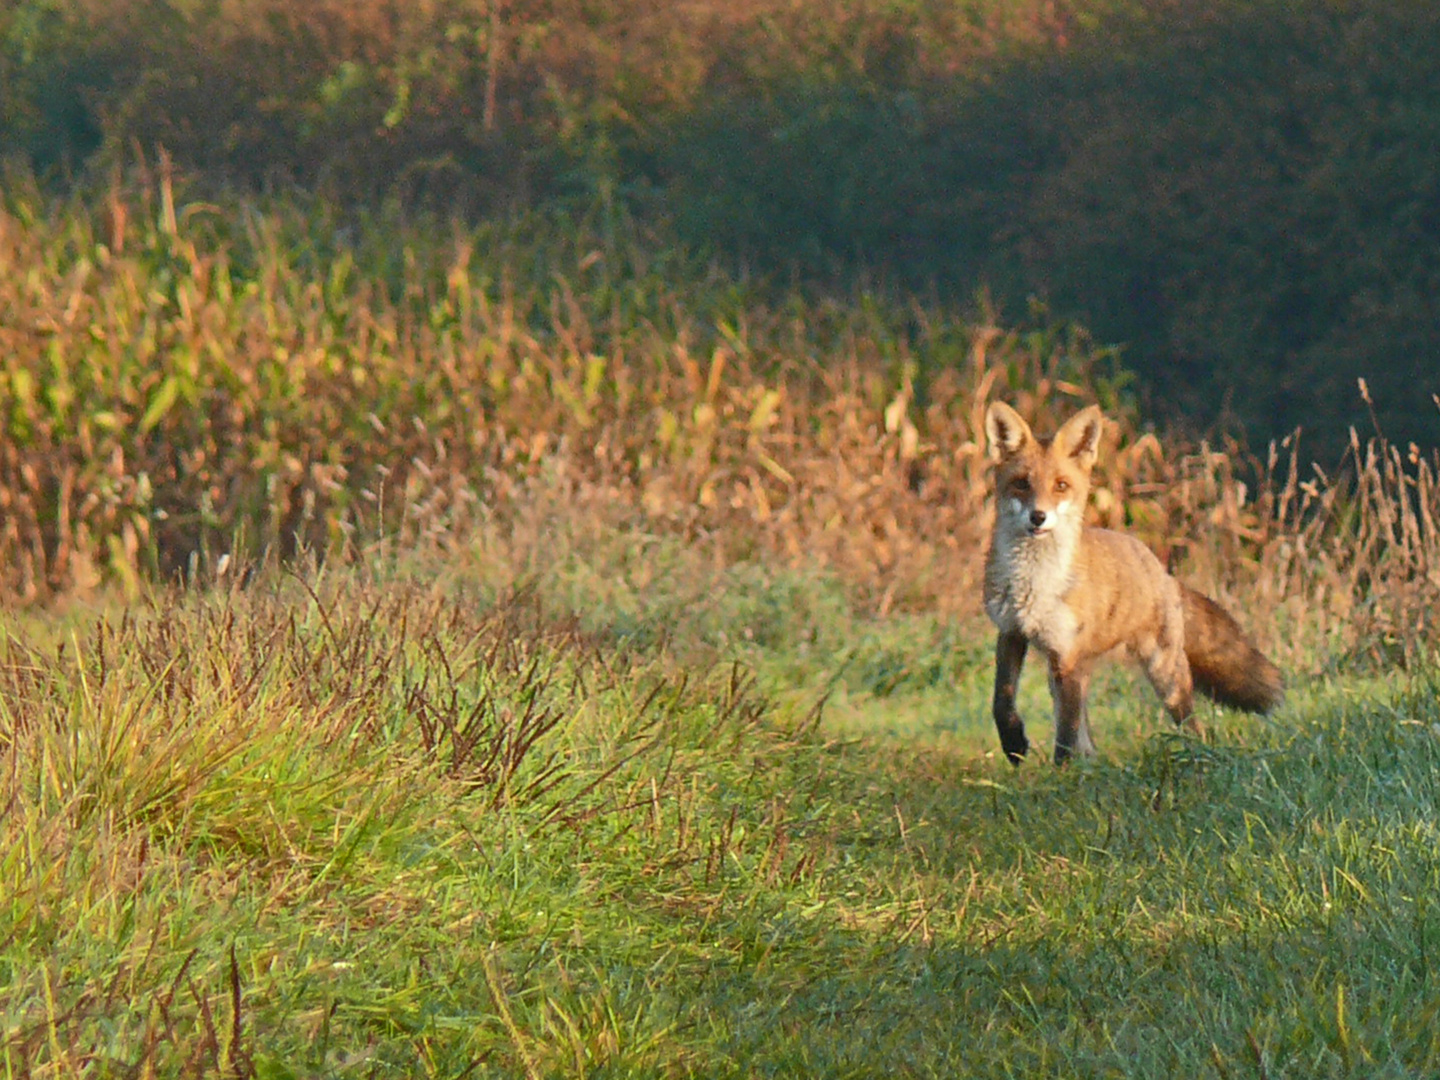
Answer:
(1246, 193)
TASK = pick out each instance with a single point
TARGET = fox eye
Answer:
(1062, 485)
(1020, 485)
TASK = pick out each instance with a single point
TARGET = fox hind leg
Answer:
(1169, 672)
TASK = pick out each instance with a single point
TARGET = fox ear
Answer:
(1006, 429)
(1079, 437)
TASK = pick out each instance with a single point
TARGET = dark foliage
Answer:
(1244, 192)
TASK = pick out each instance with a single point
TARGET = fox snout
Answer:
(1034, 520)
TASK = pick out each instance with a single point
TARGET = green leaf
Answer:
(163, 400)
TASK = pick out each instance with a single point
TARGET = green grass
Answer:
(427, 827)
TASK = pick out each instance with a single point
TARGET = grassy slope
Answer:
(703, 879)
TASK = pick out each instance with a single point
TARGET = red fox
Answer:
(1077, 592)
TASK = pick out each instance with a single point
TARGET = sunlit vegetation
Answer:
(1242, 192)
(492, 498)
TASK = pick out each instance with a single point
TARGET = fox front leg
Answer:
(1069, 690)
(1009, 658)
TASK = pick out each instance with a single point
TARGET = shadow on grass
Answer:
(1190, 909)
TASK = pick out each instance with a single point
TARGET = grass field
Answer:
(424, 822)
(577, 672)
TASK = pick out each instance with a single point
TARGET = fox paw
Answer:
(1015, 748)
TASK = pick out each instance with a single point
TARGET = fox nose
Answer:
(1037, 518)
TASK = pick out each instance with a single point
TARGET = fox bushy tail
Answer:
(1226, 667)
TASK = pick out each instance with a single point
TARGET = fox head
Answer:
(1042, 485)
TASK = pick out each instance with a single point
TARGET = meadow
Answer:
(529, 649)
(491, 506)
(405, 825)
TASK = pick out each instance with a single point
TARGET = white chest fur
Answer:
(1027, 578)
